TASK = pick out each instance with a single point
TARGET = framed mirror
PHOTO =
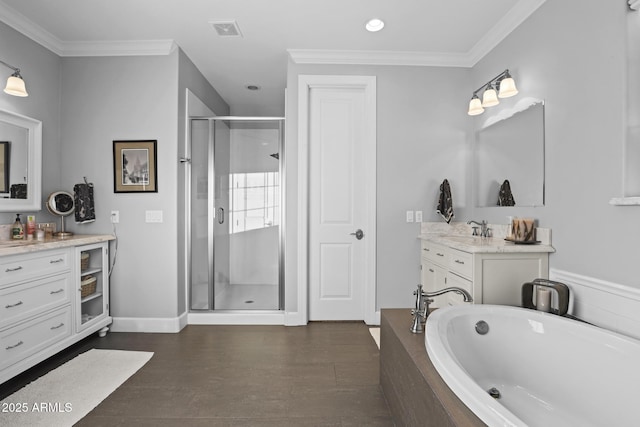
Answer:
(509, 154)
(20, 162)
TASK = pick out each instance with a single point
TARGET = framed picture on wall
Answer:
(134, 167)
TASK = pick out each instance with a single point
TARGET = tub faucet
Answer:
(423, 299)
(484, 230)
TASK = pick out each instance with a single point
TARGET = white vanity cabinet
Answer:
(491, 271)
(41, 308)
(442, 267)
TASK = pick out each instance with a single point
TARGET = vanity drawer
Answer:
(461, 263)
(17, 268)
(29, 299)
(23, 340)
(436, 253)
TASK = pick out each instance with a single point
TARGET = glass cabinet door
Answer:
(93, 289)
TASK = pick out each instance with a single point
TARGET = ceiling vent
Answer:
(226, 28)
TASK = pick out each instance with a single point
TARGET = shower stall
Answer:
(236, 204)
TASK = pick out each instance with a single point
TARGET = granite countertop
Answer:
(15, 247)
(458, 235)
(475, 244)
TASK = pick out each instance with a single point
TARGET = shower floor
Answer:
(237, 297)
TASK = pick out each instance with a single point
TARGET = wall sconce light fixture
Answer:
(505, 86)
(15, 84)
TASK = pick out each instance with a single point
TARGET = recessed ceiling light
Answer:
(252, 87)
(374, 25)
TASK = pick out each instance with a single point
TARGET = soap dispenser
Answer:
(17, 229)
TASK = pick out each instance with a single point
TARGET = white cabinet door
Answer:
(434, 277)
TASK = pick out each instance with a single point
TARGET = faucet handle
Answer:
(475, 231)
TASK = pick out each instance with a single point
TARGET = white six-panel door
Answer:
(341, 201)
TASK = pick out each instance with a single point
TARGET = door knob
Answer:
(359, 234)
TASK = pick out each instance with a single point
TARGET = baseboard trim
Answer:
(236, 318)
(149, 325)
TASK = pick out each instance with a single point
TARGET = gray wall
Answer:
(117, 98)
(575, 60)
(419, 144)
(41, 71)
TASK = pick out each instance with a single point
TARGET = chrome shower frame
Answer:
(211, 216)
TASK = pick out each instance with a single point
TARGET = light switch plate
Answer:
(153, 216)
(409, 216)
(418, 216)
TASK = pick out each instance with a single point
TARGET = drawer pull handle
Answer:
(459, 262)
(439, 254)
(431, 270)
(9, 270)
(425, 249)
(56, 261)
(56, 292)
(14, 305)
(53, 328)
(14, 346)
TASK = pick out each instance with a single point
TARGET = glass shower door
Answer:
(236, 199)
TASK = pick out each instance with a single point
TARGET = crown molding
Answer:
(516, 15)
(370, 57)
(509, 22)
(23, 25)
(512, 19)
(119, 48)
(30, 29)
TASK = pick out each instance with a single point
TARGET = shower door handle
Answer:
(220, 215)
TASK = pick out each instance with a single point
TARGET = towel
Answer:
(85, 209)
(445, 202)
(18, 191)
(505, 198)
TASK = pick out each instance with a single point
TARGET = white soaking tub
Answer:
(547, 370)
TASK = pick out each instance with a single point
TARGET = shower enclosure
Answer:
(236, 205)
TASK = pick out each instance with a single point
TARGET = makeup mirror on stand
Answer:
(61, 203)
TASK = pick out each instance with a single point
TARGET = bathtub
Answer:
(547, 370)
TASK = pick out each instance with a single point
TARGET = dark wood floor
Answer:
(323, 374)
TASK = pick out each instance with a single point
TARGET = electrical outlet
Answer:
(418, 216)
(409, 216)
(115, 217)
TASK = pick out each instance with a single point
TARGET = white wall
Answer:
(575, 60)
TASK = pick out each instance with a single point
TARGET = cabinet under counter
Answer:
(492, 271)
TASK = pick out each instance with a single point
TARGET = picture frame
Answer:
(135, 166)
(5, 158)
